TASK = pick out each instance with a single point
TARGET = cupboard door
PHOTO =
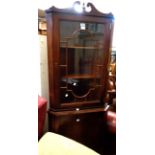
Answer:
(86, 128)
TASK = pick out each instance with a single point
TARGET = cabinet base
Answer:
(85, 126)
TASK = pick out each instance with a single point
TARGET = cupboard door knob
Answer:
(77, 109)
(78, 120)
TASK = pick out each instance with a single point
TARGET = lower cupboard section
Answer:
(84, 126)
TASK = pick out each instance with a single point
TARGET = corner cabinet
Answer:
(79, 47)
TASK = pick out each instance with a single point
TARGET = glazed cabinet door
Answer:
(82, 63)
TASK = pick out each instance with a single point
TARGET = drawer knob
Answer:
(77, 109)
(78, 120)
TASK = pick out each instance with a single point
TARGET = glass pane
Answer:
(81, 60)
(73, 33)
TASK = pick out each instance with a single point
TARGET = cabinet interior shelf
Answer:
(85, 76)
(95, 86)
(112, 75)
(97, 65)
(82, 47)
(112, 91)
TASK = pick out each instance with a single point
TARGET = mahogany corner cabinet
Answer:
(79, 46)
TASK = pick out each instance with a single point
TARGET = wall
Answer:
(44, 72)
